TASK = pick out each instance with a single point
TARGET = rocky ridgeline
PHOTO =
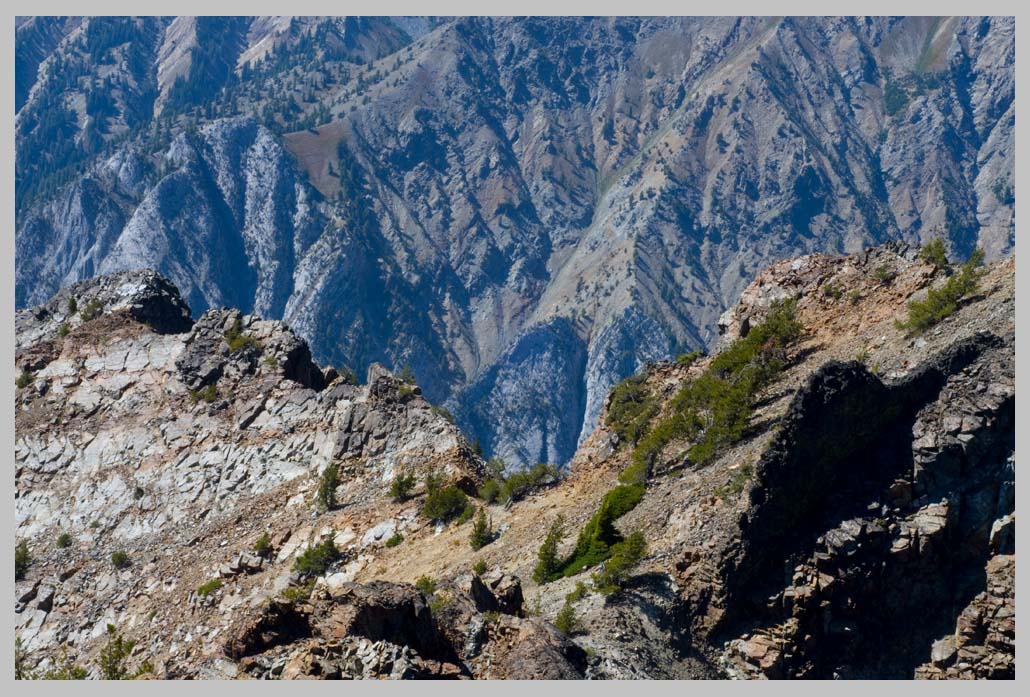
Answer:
(132, 437)
(880, 500)
(863, 526)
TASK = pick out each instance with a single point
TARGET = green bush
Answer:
(239, 340)
(884, 274)
(65, 669)
(263, 546)
(637, 471)
(433, 481)
(630, 409)
(445, 503)
(549, 565)
(599, 535)
(120, 559)
(491, 489)
(482, 531)
(442, 411)
(466, 514)
(210, 587)
(73, 305)
(24, 379)
(64, 540)
(327, 483)
(207, 394)
(401, 486)
(854, 296)
(94, 308)
(577, 593)
(737, 482)
(63, 330)
(943, 301)
(496, 468)
(833, 292)
(316, 560)
(624, 556)
(406, 375)
(113, 655)
(714, 409)
(479, 568)
(935, 253)
(299, 593)
(394, 539)
(439, 604)
(517, 485)
(22, 560)
(425, 585)
(688, 359)
(21, 671)
(567, 621)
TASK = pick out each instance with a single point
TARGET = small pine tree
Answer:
(426, 585)
(24, 379)
(625, 556)
(934, 252)
(113, 655)
(317, 559)
(482, 531)
(548, 566)
(64, 669)
(327, 486)
(401, 486)
(263, 546)
(22, 560)
(566, 620)
(943, 301)
(407, 375)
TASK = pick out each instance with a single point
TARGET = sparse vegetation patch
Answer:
(943, 301)
(316, 560)
(714, 410)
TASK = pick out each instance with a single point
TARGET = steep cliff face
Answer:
(442, 193)
(861, 523)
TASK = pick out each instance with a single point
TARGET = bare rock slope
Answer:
(862, 525)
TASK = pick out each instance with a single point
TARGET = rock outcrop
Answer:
(133, 439)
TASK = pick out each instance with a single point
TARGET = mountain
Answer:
(203, 489)
(525, 211)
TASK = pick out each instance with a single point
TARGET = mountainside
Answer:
(852, 515)
(524, 211)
